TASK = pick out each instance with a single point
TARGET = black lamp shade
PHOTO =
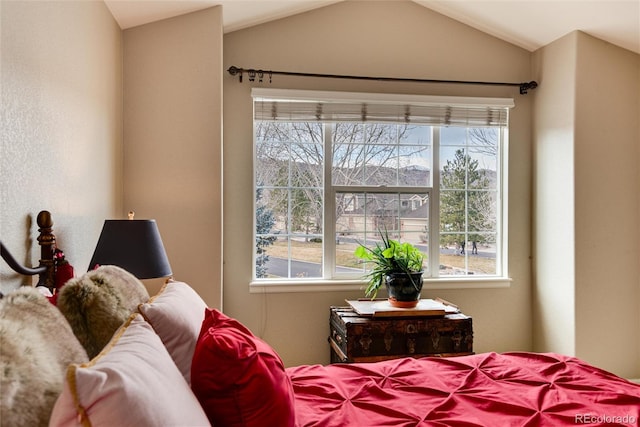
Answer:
(134, 245)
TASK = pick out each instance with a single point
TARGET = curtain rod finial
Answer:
(524, 87)
(233, 70)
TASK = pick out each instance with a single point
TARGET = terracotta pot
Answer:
(404, 289)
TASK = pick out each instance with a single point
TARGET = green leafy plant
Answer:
(389, 257)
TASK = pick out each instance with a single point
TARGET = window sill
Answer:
(264, 287)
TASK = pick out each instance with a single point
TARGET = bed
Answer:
(169, 360)
(509, 389)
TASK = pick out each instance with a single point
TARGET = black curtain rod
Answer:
(260, 74)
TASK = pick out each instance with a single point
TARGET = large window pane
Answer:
(375, 178)
(468, 201)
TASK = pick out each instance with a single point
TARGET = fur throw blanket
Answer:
(36, 346)
(98, 303)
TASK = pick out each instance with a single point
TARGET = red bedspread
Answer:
(511, 389)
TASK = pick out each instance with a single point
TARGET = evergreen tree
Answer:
(464, 207)
(265, 221)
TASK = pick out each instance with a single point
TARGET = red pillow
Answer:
(238, 378)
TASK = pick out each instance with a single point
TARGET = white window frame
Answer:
(500, 280)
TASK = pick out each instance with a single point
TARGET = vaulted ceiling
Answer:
(529, 24)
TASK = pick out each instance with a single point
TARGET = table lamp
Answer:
(134, 245)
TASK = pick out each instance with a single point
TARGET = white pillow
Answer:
(132, 382)
(176, 314)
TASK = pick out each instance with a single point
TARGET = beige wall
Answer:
(607, 134)
(554, 254)
(587, 213)
(173, 141)
(379, 39)
(61, 126)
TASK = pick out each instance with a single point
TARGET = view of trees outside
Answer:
(265, 221)
(371, 157)
(289, 173)
(375, 157)
(468, 198)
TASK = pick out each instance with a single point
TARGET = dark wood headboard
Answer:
(47, 241)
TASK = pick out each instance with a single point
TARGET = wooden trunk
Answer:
(355, 338)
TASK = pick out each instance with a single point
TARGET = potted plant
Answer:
(396, 265)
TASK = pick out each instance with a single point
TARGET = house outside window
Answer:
(333, 169)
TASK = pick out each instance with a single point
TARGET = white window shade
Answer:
(294, 105)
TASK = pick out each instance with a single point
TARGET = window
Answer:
(332, 169)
